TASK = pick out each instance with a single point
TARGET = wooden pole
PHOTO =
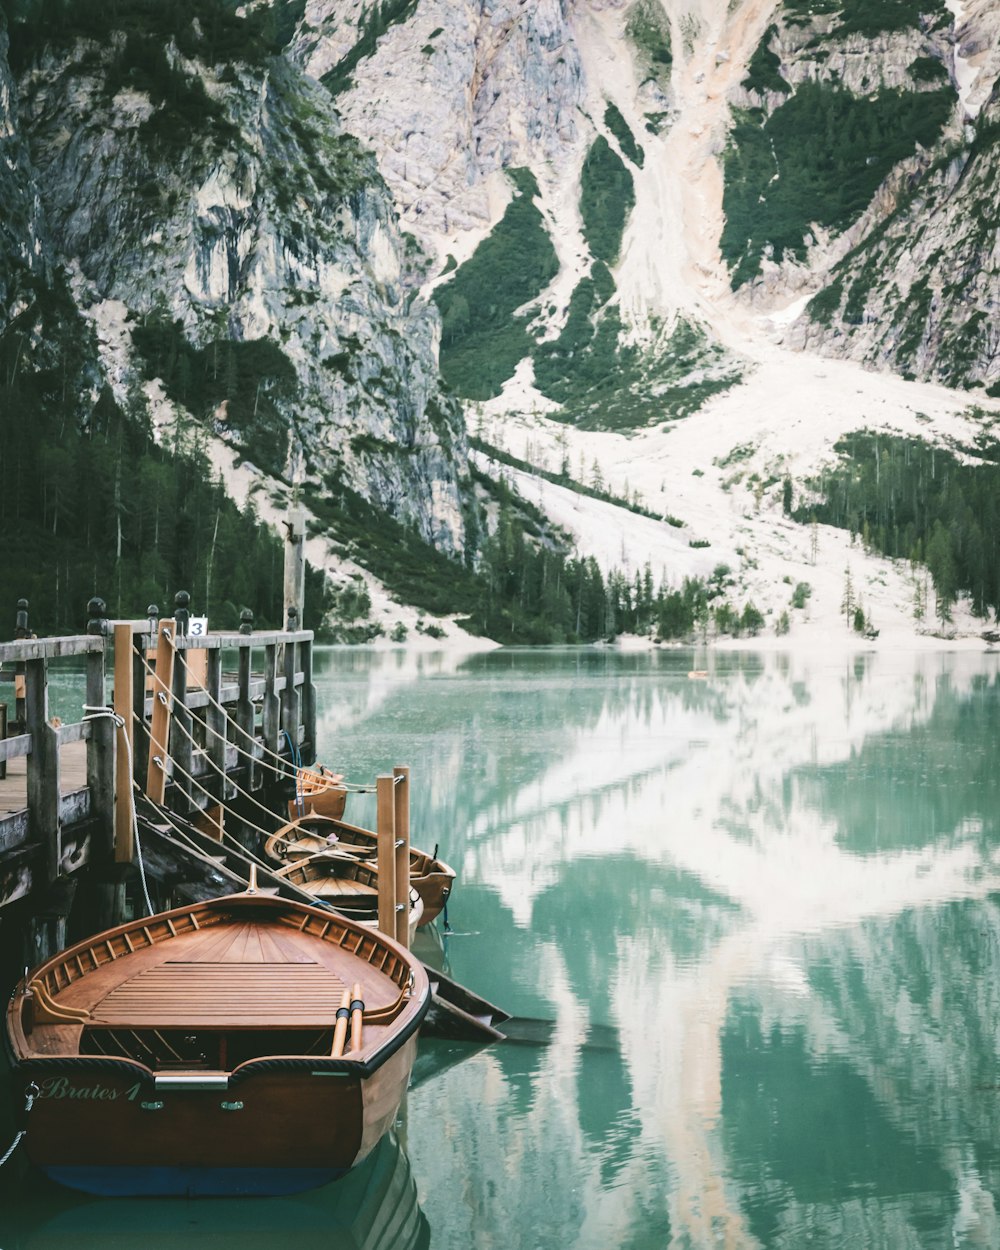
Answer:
(216, 728)
(100, 762)
(295, 563)
(308, 704)
(401, 813)
(290, 695)
(270, 716)
(159, 731)
(124, 705)
(182, 726)
(245, 710)
(43, 767)
(340, 1028)
(386, 835)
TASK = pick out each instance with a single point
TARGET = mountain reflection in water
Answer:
(752, 923)
(776, 887)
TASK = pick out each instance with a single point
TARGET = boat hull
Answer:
(112, 1133)
(305, 838)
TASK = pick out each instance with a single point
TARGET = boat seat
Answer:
(199, 995)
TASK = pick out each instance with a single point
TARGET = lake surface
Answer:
(754, 917)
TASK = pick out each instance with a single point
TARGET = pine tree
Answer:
(847, 602)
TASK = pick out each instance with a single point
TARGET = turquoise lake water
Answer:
(755, 917)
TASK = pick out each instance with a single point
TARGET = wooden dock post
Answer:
(100, 760)
(308, 702)
(21, 630)
(244, 703)
(290, 693)
(386, 833)
(271, 707)
(295, 564)
(43, 767)
(143, 661)
(159, 731)
(182, 721)
(216, 728)
(124, 703)
(401, 820)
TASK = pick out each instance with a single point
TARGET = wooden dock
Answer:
(192, 739)
(204, 722)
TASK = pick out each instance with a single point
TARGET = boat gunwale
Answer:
(405, 971)
(433, 865)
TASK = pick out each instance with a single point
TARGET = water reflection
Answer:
(373, 1206)
(774, 885)
(760, 915)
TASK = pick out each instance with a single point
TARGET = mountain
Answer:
(657, 259)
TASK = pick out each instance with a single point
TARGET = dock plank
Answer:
(72, 777)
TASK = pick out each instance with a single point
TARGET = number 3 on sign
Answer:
(198, 626)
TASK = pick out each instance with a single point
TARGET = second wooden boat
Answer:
(349, 885)
(248, 1044)
(309, 837)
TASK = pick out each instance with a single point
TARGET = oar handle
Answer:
(340, 1028)
(357, 1012)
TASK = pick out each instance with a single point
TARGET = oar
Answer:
(340, 1028)
(357, 1013)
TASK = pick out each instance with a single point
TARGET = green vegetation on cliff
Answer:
(819, 157)
(481, 337)
(244, 388)
(91, 504)
(764, 69)
(607, 196)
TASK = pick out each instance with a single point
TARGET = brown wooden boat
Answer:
(312, 835)
(247, 1044)
(318, 790)
(350, 885)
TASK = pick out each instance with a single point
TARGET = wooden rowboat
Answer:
(318, 790)
(350, 885)
(205, 1050)
(309, 837)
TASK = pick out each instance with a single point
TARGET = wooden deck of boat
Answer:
(340, 887)
(250, 975)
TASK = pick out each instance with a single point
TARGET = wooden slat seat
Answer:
(202, 995)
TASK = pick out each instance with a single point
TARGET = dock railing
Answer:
(235, 700)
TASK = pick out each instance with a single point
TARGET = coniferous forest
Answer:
(91, 505)
(909, 500)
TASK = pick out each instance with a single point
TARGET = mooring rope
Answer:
(165, 814)
(353, 786)
(30, 1094)
(13, 1146)
(225, 776)
(95, 713)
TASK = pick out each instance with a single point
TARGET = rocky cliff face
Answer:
(450, 96)
(716, 112)
(907, 280)
(21, 247)
(279, 225)
(228, 239)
